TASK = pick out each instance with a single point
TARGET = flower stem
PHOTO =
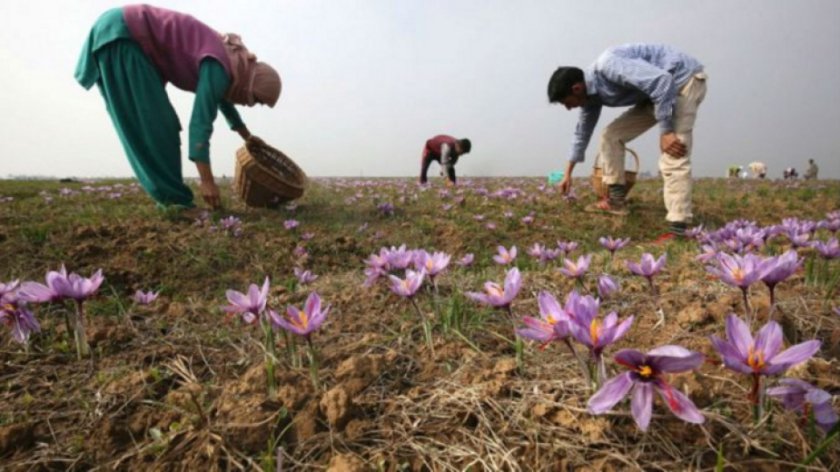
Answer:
(757, 398)
(79, 334)
(747, 309)
(518, 344)
(427, 328)
(313, 364)
(581, 363)
(271, 382)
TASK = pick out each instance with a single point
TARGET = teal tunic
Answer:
(146, 123)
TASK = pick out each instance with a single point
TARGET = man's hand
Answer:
(566, 184)
(670, 144)
(210, 193)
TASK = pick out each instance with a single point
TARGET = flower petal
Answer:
(680, 405)
(641, 404)
(769, 339)
(796, 354)
(738, 334)
(611, 393)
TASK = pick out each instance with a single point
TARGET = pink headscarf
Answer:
(251, 81)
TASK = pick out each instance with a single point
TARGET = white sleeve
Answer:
(444, 154)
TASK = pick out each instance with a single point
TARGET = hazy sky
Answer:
(365, 83)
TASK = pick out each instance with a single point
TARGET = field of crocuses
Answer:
(378, 325)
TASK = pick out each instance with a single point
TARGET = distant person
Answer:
(812, 170)
(790, 173)
(758, 169)
(663, 87)
(445, 150)
(132, 52)
(733, 171)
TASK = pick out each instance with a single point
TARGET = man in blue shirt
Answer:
(663, 87)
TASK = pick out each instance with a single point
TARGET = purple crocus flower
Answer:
(432, 264)
(607, 286)
(613, 245)
(708, 252)
(302, 322)
(497, 296)
(647, 267)
(738, 271)
(398, 257)
(505, 256)
(81, 288)
(8, 288)
(15, 314)
(54, 290)
(553, 323)
(597, 334)
(291, 224)
(829, 249)
(776, 269)
(798, 396)
(566, 247)
(145, 298)
(576, 269)
(407, 287)
(251, 305)
(760, 355)
(304, 276)
(466, 261)
(646, 375)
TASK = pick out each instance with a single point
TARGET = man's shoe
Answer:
(665, 238)
(603, 206)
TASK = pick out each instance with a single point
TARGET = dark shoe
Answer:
(603, 206)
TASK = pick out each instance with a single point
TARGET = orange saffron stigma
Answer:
(302, 320)
(755, 359)
(594, 329)
(645, 371)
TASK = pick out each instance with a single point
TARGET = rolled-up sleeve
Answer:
(213, 81)
(583, 131)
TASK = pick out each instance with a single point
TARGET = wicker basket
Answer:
(629, 176)
(265, 177)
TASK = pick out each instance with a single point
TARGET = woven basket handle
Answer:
(632, 153)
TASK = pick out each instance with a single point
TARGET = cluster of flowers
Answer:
(229, 225)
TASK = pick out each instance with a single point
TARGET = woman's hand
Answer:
(210, 193)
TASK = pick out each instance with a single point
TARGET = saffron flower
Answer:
(647, 267)
(828, 250)
(607, 286)
(432, 264)
(613, 245)
(646, 374)
(145, 298)
(15, 314)
(304, 276)
(505, 256)
(249, 306)
(407, 287)
(466, 261)
(576, 269)
(775, 269)
(566, 247)
(291, 224)
(797, 395)
(738, 271)
(553, 323)
(597, 334)
(759, 356)
(500, 297)
(302, 322)
(54, 290)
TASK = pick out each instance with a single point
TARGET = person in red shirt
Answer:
(445, 150)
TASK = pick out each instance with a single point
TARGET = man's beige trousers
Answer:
(676, 172)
